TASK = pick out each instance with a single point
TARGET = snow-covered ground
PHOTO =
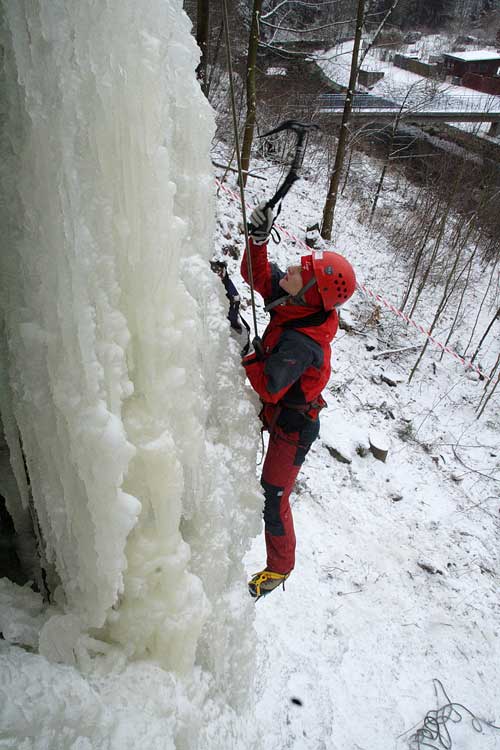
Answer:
(397, 575)
(403, 86)
(398, 568)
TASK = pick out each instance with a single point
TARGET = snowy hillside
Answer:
(135, 439)
(397, 575)
(406, 88)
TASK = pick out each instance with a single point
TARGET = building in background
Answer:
(475, 69)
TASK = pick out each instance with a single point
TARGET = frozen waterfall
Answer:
(121, 398)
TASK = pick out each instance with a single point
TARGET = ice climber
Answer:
(289, 374)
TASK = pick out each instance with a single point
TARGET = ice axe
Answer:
(301, 129)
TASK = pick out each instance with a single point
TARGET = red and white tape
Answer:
(378, 298)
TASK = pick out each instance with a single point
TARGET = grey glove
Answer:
(260, 224)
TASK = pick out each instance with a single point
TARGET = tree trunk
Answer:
(485, 295)
(488, 329)
(486, 396)
(215, 56)
(331, 199)
(430, 263)
(351, 151)
(202, 38)
(440, 308)
(416, 264)
(460, 302)
(390, 153)
(253, 44)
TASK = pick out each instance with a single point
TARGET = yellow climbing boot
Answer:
(264, 582)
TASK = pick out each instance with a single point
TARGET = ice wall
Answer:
(122, 386)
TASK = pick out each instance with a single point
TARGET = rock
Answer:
(405, 430)
(396, 497)
(346, 323)
(386, 411)
(465, 39)
(391, 378)
(379, 445)
(313, 237)
(412, 36)
(472, 375)
(338, 455)
(429, 568)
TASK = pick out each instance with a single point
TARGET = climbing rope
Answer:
(434, 732)
(377, 298)
(238, 159)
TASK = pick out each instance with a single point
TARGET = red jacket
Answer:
(297, 356)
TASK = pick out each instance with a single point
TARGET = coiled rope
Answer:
(434, 732)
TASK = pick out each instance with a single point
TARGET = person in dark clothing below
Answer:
(289, 374)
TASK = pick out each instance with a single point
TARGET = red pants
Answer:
(285, 455)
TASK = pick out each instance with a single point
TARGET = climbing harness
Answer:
(270, 413)
(309, 411)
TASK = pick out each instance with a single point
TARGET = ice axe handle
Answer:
(258, 347)
(277, 197)
(270, 204)
(301, 130)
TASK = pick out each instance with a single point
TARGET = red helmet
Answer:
(335, 276)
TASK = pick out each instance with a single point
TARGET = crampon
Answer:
(261, 584)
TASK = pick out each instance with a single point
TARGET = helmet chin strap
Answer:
(295, 299)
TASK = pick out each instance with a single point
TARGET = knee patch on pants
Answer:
(307, 436)
(272, 519)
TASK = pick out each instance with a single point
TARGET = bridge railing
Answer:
(452, 103)
(439, 103)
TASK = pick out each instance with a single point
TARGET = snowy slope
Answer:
(397, 574)
(397, 567)
(404, 87)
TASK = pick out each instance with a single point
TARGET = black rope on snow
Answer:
(435, 729)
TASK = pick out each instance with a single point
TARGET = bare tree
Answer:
(485, 334)
(483, 300)
(429, 228)
(253, 44)
(461, 300)
(437, 315)
(331, 198)
(491, 385)
(402, 112)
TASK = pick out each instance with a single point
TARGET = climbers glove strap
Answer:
(253, 354)
(258, 348)
(260, 224)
